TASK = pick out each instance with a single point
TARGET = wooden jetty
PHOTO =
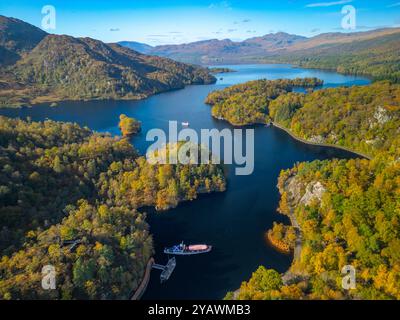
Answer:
(166, 270)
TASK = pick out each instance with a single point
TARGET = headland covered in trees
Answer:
(247, 103)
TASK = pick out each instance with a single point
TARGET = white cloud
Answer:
(328, 4)
(397, 4)
(221, 5)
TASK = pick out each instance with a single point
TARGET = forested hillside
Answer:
(69, 198)
(363, 118)
(348, 211)
(14, 41)
(377, 57)
(61, 67)
(355, 221)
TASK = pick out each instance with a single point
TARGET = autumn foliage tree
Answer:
(128, 126)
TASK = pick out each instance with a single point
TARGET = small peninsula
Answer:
(215, 70)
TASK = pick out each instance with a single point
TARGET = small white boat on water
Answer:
(185, 124)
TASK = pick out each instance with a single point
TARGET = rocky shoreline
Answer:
(320, 144)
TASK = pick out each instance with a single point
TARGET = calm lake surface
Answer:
(233, 222)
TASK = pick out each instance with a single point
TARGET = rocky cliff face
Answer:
(301, 193)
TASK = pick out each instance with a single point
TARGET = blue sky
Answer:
(178, 21)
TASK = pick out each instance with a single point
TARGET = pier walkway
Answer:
(166, 270)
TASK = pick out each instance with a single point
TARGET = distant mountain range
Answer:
(259, 48)
(220, 51)
(137, 46)
(37, 67)
(374, 54)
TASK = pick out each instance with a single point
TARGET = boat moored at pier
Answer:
(183, 249)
